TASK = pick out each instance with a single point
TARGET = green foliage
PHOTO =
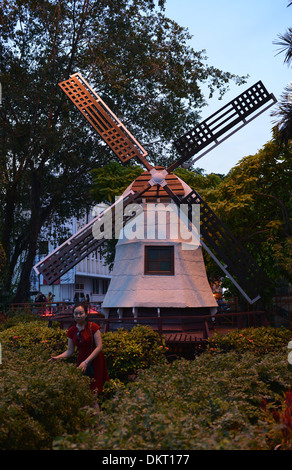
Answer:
(39, 400)
(111, 180)
(27, 336)
(199, 181)
(14, 317)
(211, 403)
(282, 250)
(127, 351)
(254, 200)
(258, 340)
(233, 397)
(111, 388)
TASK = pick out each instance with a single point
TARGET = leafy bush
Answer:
(30, 334)
(211, 403)
(259, 340)
(127, 351)
(39, 400)
(110, 388)
(233, 396)
(281, 421)
(12, 318)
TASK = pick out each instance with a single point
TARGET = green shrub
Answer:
(14, 317)
(30, 334)
(213, 402)
(259, 340)
(128, 351)
(210, 403)
(111, 388)
(39, 400)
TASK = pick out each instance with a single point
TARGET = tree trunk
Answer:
(23, 288)
(8, 221)
(35, 224)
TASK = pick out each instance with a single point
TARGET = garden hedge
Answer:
(215, 402)
(235, 395)
(41, 400)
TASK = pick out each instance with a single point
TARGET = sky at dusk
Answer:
(238, 37)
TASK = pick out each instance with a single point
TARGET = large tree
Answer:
(255, 202)
(136, 58)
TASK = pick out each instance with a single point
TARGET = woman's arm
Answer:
(95, 352)
(69, 351)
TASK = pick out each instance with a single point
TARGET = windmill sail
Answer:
(87, 240)
(222, 124)
(104, 121)
(228, 253)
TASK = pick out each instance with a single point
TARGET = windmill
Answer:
(159, 184)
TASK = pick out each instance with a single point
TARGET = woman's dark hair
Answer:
(80, 304)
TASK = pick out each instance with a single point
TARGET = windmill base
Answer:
(164, 320)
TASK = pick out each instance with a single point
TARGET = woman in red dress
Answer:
(86, 336)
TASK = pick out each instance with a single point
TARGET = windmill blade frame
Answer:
(227, 251)
(234, 115)
(103, 120)
(88, 239)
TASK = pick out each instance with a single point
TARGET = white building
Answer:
(89, 279)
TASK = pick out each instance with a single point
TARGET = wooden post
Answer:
(205, 330)
(159, 321)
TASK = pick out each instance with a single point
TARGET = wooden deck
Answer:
(196, 336)
(189, 344)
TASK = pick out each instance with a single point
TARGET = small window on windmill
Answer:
(159, 260)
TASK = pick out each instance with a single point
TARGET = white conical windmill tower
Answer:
(159, 267)
(154, 275)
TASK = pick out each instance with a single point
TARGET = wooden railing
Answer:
(202, 323)
(62, 312)
(48, 308)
